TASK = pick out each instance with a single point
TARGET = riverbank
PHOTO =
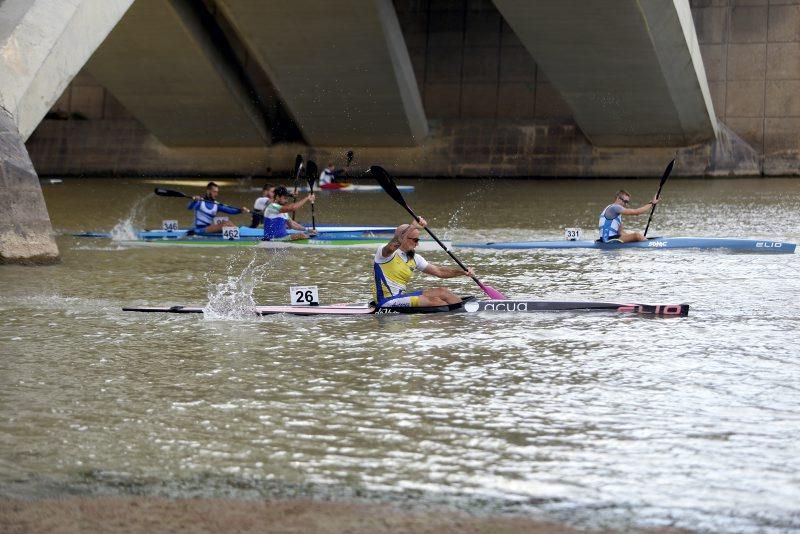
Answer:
(151, 514)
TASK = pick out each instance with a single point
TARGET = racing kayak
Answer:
(659, 243)
(469, 305)
(314, 243)
(357, 188)
(245, 232)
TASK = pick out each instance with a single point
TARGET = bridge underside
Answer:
(235, 73)
(632, 75)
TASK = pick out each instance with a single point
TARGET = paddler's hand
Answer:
(197, 197)
(245, 210)
(655, 201)
(312, 232)
(421, 223)
(311, 198)
(469, 272)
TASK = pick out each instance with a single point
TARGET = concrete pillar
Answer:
(26, 235)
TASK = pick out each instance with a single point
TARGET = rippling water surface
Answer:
(600, 420)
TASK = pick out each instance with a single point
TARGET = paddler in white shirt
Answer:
(261, 203)
(394, 265)
(328, 175)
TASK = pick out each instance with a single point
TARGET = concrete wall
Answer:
(751, 50)
(491, 109)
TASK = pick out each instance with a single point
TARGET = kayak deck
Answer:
(658, 243)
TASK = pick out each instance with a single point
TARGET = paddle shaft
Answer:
(658, 194)
(311, 176)
(178, 194)
(444, 247)
(298, 166)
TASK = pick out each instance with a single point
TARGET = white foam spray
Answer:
(231, 295)
(125, 230)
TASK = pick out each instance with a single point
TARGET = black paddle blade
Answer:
(387, 183)
(666, 174)
(298, 163)
(311, 174)
(349, 157)
(170, 193)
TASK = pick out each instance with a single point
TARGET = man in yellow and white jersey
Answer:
(394, 265)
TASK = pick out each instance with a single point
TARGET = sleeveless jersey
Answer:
(392, 274)
(609, 228)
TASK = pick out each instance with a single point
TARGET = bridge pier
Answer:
(26, 235)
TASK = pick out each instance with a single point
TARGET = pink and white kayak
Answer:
(469, 305)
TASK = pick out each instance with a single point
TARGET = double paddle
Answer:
(177, 194)
(388, 185)
(658, 195)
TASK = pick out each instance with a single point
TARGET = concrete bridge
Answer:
(255, 74)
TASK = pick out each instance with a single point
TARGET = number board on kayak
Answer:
(304, 295)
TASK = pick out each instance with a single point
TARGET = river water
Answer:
(598, 420)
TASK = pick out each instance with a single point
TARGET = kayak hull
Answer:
(364, 243)
(469, 305)
(356, 188)
(655, 243)
(247, 233)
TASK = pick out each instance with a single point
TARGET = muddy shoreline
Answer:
(159, 514)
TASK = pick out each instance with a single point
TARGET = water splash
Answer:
(469, 204)
(232, 298)
(125, 230)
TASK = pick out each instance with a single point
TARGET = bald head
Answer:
(407, 236)
(400, 230)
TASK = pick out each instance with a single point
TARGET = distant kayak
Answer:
(654, 243)
(315, 243)
(247, 233)
(356, 188)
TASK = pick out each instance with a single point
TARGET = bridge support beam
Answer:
(632, 74)
(354, 85)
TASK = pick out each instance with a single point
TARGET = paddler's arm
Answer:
(294, 206)
(642, 209)
(231, 210)
(294, 225)
(394, 244)
(446, 272)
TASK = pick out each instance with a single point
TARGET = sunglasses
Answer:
(414, 239)
(625, 200)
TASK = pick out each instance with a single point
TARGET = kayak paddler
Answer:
(276, 216)
(266, 198)
(207, 207)
(610, 224)
(394, 265)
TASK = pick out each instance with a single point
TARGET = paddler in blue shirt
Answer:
(276, 216)
(395, 263)
(206, 208)
(610, 224)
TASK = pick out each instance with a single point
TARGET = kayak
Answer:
(654, 243)
(245, 232)
(469, 305)
(314, 243)
(356, 188)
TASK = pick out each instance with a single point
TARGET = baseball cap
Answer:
(281, 191)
